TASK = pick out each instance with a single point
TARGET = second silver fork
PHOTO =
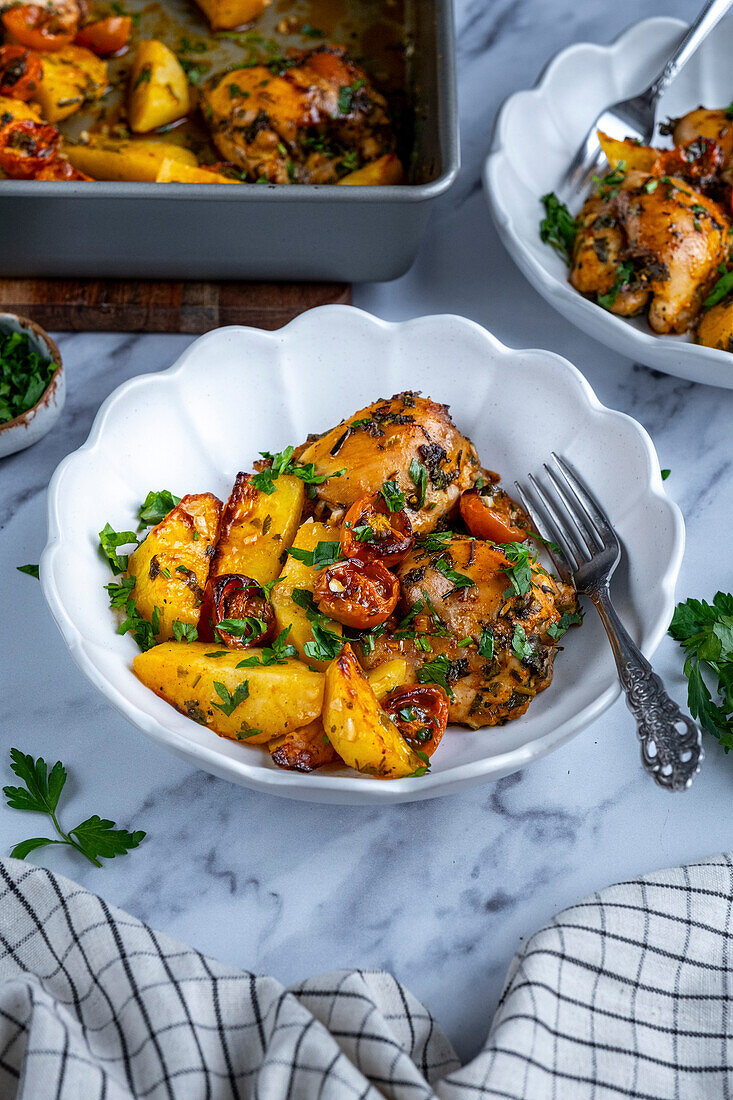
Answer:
(585, 553)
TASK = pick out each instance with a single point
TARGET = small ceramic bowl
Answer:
(32, 425)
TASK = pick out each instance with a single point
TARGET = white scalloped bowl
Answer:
(536, 135)
(239, 391)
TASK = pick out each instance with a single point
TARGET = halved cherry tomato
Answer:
(26, 147)
(492, 517)
(370, 532)
(699, 161)
(60, 169)
(357, 594)
(42, 28)
(106, 36)
(420, 714)
(240, 603)
(20, 72)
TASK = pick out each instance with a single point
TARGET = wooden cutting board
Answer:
(122, 305)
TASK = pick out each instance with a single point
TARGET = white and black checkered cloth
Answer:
(628, 993)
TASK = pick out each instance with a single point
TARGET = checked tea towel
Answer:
(629, 993)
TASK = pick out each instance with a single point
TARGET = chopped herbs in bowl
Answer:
(31, 383)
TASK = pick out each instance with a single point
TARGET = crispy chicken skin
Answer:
(487, 691)
(674, 236)
(298, 124)
(379, 443)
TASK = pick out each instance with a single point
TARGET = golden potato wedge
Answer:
(635, 157)
(388, 676)
(171, 566)
(16, 109)
(303, 750)
(173, 171)
(158, 91)
(225, 15)
(136, 161)
(71, 77)
(204, 683)
(257, 528)
(297, 574)
(379, 173)
(715, 328)
(361, 733)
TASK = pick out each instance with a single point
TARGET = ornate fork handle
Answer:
(671, 749)
(711, 14)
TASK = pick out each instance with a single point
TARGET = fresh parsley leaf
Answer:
(120, 593)
(276, 654)
(424, 769)
(156, 507)
(419, 475)
(521, 648)
(721, 290)
(325, 553)
(438, 671)
(281, 463)
(519, 571)
(346, 96)
(705, 632)
(110, 542)
(624, 275)
(31, 570)
(184, 632)
(242, 735)
(567, 619)
(458, 580)
(325, 646)
(94, 838)
(610, 185)
(24, 375)
(248, 627)
(486, 644)
(394, 498)
(230, 702)
(665, 474)
(558, 228)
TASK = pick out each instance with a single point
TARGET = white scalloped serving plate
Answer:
(535, 138)
(239, 391)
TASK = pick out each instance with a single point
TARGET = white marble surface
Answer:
(440, 892)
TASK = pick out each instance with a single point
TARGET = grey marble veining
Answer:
(440, 892)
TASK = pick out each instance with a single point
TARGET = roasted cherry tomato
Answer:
(698, 161)
(420, 714)
(237, 609)
(370, 532)
(492, 516)
(60, 169)
(41, 28)
(26, 147)
(357, 594)
(106, 36)
(20, 72)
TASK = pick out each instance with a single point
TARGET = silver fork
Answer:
(636, 117)
(569, 516)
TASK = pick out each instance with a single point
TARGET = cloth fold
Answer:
(627, 993)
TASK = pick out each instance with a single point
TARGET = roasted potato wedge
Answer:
(715, 329)
(706, 123)
(303, 750)
(388, 676)
(173, 171)
(158, 88)
(71, 77)
(171, 566)
(225, 15)
(297, 574)
(257, 528)
(387, 170)
(16, 109)
(136, 161)
(277, 698)
(357, 727)
(633, 156)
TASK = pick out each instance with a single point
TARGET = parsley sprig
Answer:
(558, 227)
(95, 838)
(282, 463)
(705, 632)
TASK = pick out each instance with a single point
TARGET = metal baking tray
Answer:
(297, 232)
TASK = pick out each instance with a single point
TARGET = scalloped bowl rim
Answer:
(615, 332)
(324, 786)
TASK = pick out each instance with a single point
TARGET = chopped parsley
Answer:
(419, 475)
(443, 672)
(393, 496)
(486, 644)
(721, 290)
(325, 553)
(624, 275)
(276, 654)
(458, 580)
(110, 542)
(156, 507)
(24, 375)
(347, 94)
(248, 627)
(521, 648)
(610, 185)
(558, 227)
(229, 702)
(31, 570)
(519, 570)
(567, 619)
(184, 632)
(281, 463)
